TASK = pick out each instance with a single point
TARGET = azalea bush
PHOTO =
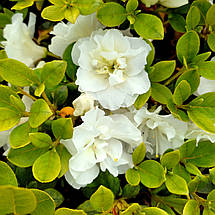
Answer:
(107, 107)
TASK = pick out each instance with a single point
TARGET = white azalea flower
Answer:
(206, 85)
(211, 1)
(173, 3)
(82, 104)
(166, 3)
(112, 68)
(100, 142)
(160, 132)
(197, 133)
(19, 44)
(65, 34)
(149, 3)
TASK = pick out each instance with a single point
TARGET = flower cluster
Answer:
(112, 73)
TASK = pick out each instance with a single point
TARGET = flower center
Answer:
(104, 66)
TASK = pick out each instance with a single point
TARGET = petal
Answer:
(31, 24)
(205, 86)
(114, 149)
(173, 3)
(83, 161)
(89, 81)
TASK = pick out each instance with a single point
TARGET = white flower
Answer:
(149, 3)
(82, 104)
(160, 132)
(112, 68)
(166, 3)
(100, 142)
(206, 85)
(197, 133)
(19, 44)
(173, 3)
(211, 1)
(65, 34)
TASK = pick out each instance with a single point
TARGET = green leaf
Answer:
(211, 200)
(176, 185)
(71, 14)
(7, 176)
(192, 77)
(133, 177)
(149, 27)
(139, 154)
(151, 174)
(211, 41)
(39, 90)
(170, 159)
(193, 18)
(153, 211)
(132, 209)
(16, 200)
(188, 46)
(25, 157)
(64, 159)
(212, 175)
(177, 22)
(17, 73)
(60, 95)
(192, 169)
(22, 4)
(62, 128)
(202, 155)
(174, 202)
(87, 7)
(40, 112)
(161, 93)
(202, 112)
(19, 137)
(71, 67)
(206, 69)
(181, 171)
(47, 167)
(191, 207)
(56, 196)
(201, 58)
(53, 13)
(142, 99)
(67, 211)
(182, 92)
(5, 98)
(203, 6)
(40, 140)
(132, 5)
(102, 199)
(130, 191)
(111, 14)
(162, 70)
(45, 204)
(8, 118)
(210, 15)
(53, 73)
(4, 20)
(18, 103)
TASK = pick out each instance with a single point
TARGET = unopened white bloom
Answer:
(65, 34)
(206, 85)
(19, 44)
(112, 68)
(160, 132)
(82, 104)
(100, 142)
(197, 133)
(166, 3)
